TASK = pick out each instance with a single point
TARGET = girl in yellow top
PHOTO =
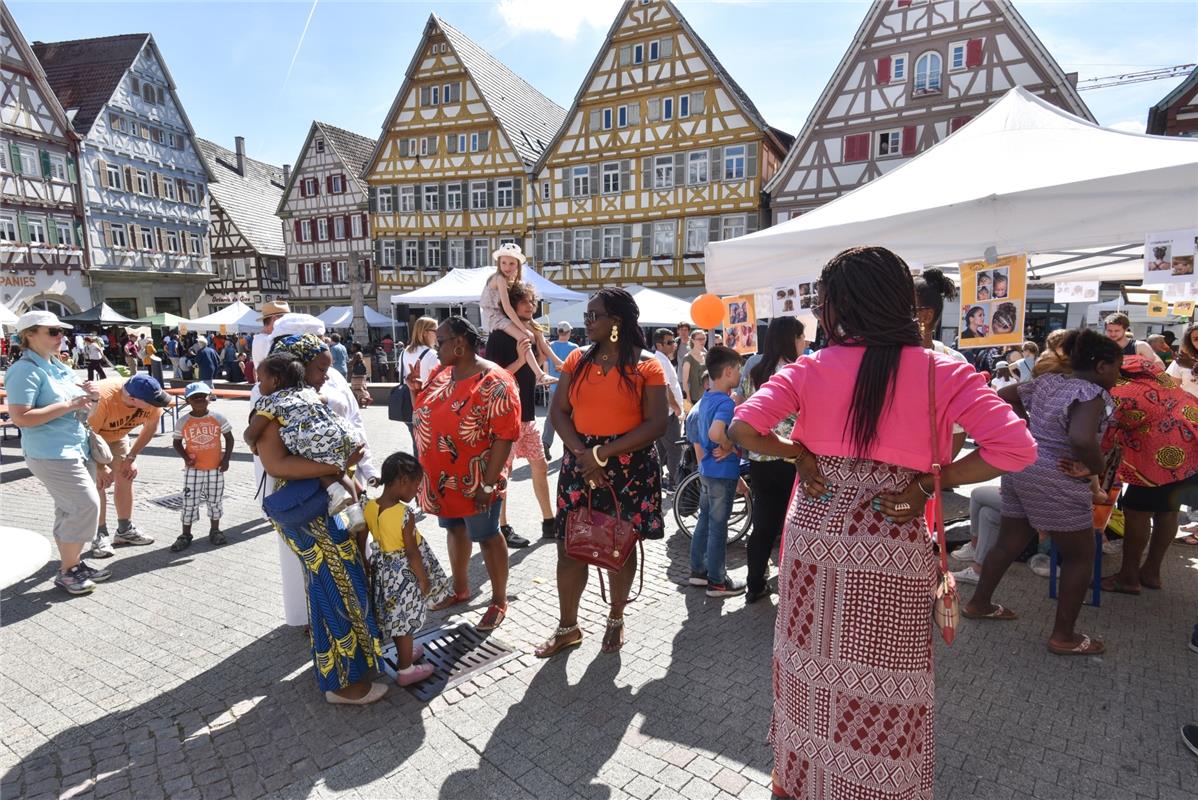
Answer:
(407, 578)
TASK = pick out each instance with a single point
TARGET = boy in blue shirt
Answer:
(719, 474)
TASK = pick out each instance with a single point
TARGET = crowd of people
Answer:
(839, 448)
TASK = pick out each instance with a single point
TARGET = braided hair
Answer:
(932, 288)
(620, 305)
(1087, 349)
(872, 297)
(460, 326)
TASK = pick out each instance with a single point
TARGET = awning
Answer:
(461, 286)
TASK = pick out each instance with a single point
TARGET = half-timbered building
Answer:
(448, 176)
(42, 261)
(245, 237)
(145, 185)
(326, 225)
(916, 71)
(1177, 112)
(661, 152)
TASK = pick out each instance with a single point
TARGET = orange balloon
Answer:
(707, 311)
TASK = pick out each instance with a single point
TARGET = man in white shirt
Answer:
(665, 342)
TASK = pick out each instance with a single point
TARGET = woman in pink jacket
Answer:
(853, 681)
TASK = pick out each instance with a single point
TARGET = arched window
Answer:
(927, 73)
(53, 306)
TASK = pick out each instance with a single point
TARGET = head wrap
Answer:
(304, 346)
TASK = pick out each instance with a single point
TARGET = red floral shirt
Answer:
(1156, 423)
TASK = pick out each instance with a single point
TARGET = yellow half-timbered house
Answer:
(448, 177)
(660, 153)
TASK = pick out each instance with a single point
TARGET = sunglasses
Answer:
(669, 343)
(590, 316)
(54, 331)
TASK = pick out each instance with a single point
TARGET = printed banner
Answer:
(740, 323)
(992, 302)
(1157, 307)
(1169, 256)
(1075, 292)
(1183, 308)
(793, 300)
(1181, 291)
(763, 302)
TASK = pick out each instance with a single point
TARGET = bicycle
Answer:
(686, 505)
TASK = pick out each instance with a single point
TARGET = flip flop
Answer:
(999, 613)
(1113, 584)
(1086, 647)
(496, 615)
(451, 601)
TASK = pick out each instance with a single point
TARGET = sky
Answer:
(265, 70)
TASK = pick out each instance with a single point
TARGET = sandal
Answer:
(492, 619)
(776, 791)
(552, 646)
(1191, 540)
(1086, 647)
(217, 537)
(1113, 584)
(451, 601)
(617, 625)
(1000, 613)
(182, 543)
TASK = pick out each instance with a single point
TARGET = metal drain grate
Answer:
(457, 654)
(171, 501)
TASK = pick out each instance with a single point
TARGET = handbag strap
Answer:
(937, 509)
(640, 567)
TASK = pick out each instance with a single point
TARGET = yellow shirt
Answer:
(387, 526)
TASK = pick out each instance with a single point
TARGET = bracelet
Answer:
(600, 461)
(926, 493)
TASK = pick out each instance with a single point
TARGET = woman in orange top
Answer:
(609, 409)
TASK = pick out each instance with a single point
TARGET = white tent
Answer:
(235, 318)
(461, 286)
(7, 318)
(658, 309)
(1024, 176)
(343, 317)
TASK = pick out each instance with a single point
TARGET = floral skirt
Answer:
(636, 479)
(399, 605)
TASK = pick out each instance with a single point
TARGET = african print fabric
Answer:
(1156, 422)
(852, 669)
(400, 606)
(308, 427)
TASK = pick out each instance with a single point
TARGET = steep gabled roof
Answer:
(249, 200)
(528, 118)
(84, 73)
(1158, 114)
(725, 78)
(352, 149)
(38, 72)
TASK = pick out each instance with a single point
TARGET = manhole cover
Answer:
(171, 501)
(457, 654)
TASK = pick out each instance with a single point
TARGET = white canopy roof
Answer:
(237, 318)
(7, 318)
(466, 286)
(343, 317)
(657, 309)
(1024, 176)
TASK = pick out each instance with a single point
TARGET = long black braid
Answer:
(620, 305)
(869, 296)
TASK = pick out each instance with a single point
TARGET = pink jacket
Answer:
(820, 388)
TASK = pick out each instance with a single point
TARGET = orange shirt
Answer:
(111, 419)
(201, 437)
(603, 404)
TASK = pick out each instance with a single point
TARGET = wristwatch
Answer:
(488, 488)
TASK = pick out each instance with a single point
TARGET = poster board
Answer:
(740, 323)
(1183, 308)
(1157, 307)
(1169, 256)
(1075, 292)
(993, 299)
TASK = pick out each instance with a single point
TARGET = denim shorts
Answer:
(479, 527)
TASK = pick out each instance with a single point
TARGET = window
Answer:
(663, 238)
(607, 119)
(385, 202)
(340, 272)
(451, 92)
(388, 253)
(553, 247)
(424, 145)
(413, 147)
(582, 244)
(195, 244)
(326, 271)
(432, 255)
(478, 196)
(241, 267)
(8, 228)
(62, 227)
(338, 227)
(474, 143)
(147, 238)
(697, 168)
(118, 236)
(611, 178)
(546, 191)
(580, 181)
(663, 172)
(638, 54)
(927, 74)
(432, 199)
(622, 117)
(734, 162)
(613, 242)
(956, 56)
(143, 182)
(37, 230)
(684, 106)
(191, 193)
(58, 166)
(172, 241)
(116, 122)
(322, 229)
(28, 160)
(407, 199)
(320, 145)
(667, 108)
(115, 178)
(696, 235)
(4, 156)
(654, 51)
(453, 197)
(457, 252)
(167, 186)
(890, 143)
(504, 193)
(355, 226)
(898, 68)
(306, 230)
(732, 226)
(147, 92)
(311, 187)
(462, 143)
(158, 135)
(434, 95)
(337, 184)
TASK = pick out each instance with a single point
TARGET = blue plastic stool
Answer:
(1054, 562)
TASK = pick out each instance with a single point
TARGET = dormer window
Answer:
(320, 145)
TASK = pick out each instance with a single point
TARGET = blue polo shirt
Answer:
(716, 406)
(561, 350)
(35, 382)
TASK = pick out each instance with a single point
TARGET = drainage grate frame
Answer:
(457, 653)
(172, 501)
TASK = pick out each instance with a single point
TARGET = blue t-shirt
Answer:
(340, 358)
(561, 350)
(716, 406)
(691, 426)
(208, 363)
(35, 382)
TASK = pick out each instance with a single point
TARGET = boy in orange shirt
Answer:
(198, 440)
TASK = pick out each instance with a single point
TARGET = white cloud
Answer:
(557, 17)
(1128, 126)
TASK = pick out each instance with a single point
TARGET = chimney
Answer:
(286, 173)
(240, 147)
(1072, 78)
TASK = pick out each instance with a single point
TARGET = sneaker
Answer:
(753, 596)
(965, 553)
(102, 545)
(548, 455)
(74, 581)
(97, 575)
(548, 529)
(414, 674)
(966, 575)
(1194, 639)
(1189, 735)
(131, 537)
(729, 587)
(514, 540)
(1112, 546)
(697, 578)
(1040, 564)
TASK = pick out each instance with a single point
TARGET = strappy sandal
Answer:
(217, 537)
(492, 619)
(1116, 586)
(451, 601)
(1086, 647)
(552, 646)
(1000, 613)
(182, 543)
(617, 625)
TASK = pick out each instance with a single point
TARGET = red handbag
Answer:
(603, 541)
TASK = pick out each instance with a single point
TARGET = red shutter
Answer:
(366, 226)
(908, 139)
(884, 69)
(973, 53)
(343, 184)
(957, 122)
(346, 231)
(856, 147)
(299, 230)
(904, 3)
(328, 184)
(366, 270)
(332, 230)
(303, 187)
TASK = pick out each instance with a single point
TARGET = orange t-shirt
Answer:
(201, 437)
(111, 419)
(603, 404)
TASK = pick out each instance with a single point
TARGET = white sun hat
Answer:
(511, 250)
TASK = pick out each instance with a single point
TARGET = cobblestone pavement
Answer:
(178, 679)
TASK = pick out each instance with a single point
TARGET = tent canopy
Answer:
(235, 318)
(658, 309)
(466, 286)
(1023, 176)
(99, 315)
(7, 318)
(164, 320)
(343, 317)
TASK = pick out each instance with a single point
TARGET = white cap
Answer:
(46, 319)
(564, 326)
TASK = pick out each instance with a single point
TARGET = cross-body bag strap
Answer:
(938, 510)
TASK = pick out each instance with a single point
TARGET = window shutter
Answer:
(956, 123)
(158, 94)
(451, 143)
(403, 147)
(596, 243)
(751, 160)
(715, 169)
(517, 193)
(697, 102)
(596, 121)
(432, 145)
(647, 173)
(101, 164)
(904, 3)
(299, 231)
(15, 157)
(540, 248)
(654, 109)
(856, 147)
(344, 183)
(468, 253)
(328, 184)
(484, 141)
(441, 197)
(160, 237)
(667, 47)
(130, 186)
(752, 222)
(417, 198)
(372, 199)
(568, 244)
(646, 246)
(424, 95)
(625, 175)
(71, 169)
(680, 169)
(883, 69)
(107, 228)
(713, 229)
(378, 252)
(973, 53)
(908, 139)
(626, 241)
(593, 178)
(366, 227)
(566, 183)
(490, 194)
(625, 55)
(45, 163)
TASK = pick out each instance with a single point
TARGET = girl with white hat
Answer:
(497, 312)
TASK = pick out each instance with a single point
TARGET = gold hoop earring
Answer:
(458, 351)
(615, 334)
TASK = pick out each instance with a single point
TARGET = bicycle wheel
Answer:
(686, 510)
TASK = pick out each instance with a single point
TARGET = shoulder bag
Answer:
(946, 606)
(603, 541)
(399, 402)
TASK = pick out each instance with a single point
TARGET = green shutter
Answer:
(52, 231)
(71, 169)
(22, 228)
(78, 234)
(45, 164)
(15, 157)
